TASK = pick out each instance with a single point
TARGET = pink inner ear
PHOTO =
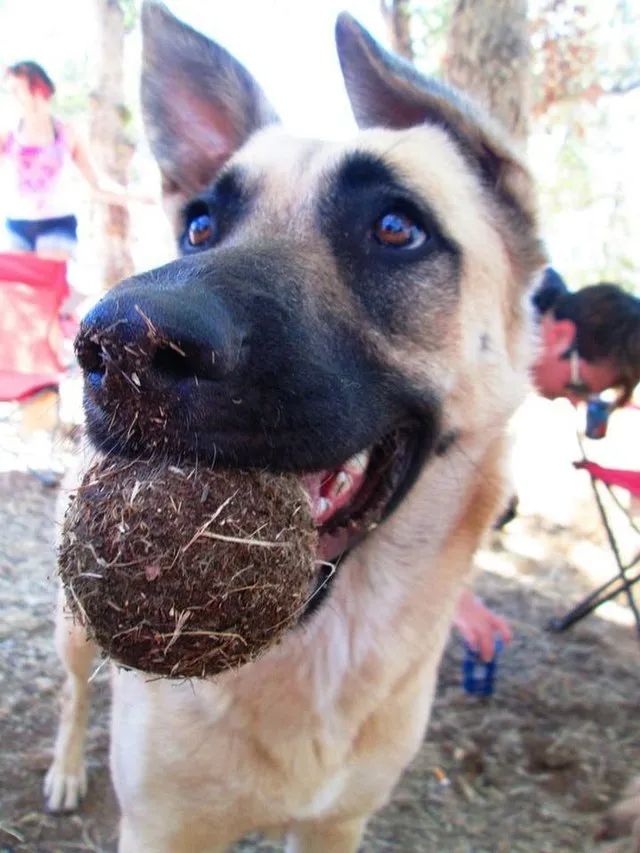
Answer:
(204, 139)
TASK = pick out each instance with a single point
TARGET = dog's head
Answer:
(338, 310)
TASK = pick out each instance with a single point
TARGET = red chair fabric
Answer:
(32, 291)
(629, 480)
(628, 574)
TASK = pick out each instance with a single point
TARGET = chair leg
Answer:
(615, 585)
(40, 421)
(604, 593)
(40, 412)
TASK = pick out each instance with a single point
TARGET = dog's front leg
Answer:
(337, 836)
(66, 781)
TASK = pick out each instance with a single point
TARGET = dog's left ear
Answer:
(386, 91)
(200, 104)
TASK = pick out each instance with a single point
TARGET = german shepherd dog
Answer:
(366, 303)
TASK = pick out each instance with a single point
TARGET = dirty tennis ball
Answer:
(186, 572)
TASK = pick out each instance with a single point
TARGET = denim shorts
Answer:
(41, 235)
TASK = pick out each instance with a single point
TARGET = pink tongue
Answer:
(329, 491)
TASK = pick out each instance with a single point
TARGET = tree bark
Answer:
(488, 56)
(398, 19)
(111, 147)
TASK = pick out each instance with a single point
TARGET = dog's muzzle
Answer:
(178, 373)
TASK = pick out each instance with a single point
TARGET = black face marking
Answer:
(446, 442)
(226, 203)
(391, 282)
(237, 370)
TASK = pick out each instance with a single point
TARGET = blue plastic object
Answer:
(598, 412)
(478, 676)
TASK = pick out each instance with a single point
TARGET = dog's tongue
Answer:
(330, 490)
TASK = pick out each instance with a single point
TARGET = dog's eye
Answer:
(200, 230)
(398, 231)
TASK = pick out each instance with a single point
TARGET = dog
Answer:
(366, 307)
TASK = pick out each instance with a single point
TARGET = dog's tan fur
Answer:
(310, 739)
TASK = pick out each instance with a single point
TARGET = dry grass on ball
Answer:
(186, 573)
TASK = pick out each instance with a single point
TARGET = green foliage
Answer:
(586, 68)
(72, 95)
(586, 118)
(130, 12)
(429, 28)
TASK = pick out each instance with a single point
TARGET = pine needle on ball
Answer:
(186, 572)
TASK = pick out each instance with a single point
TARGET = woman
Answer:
(43, 153)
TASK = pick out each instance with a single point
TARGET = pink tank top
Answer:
(40, 181)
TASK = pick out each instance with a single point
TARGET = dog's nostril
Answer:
(173, 363)
(90, 356)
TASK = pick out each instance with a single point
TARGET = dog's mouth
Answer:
(350, 500)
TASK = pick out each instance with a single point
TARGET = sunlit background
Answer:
(583, 152)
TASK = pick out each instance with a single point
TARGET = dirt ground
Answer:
(530, 769)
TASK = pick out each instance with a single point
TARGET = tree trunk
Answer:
(111, 147)
(397, 17)
(488, 55)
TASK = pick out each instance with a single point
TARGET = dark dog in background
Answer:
(365, 305)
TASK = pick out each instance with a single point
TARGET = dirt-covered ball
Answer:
(186, 572)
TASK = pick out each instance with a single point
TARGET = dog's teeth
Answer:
(358, 462)
(341, 482)
(322, 505)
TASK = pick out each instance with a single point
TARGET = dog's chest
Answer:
(285, 765)
(325, 798)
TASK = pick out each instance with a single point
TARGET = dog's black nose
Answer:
(146, 341)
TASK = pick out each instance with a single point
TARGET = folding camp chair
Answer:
(603, 483)
(32, 292)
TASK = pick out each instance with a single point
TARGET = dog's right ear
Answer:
(199, 103)
(386, 91)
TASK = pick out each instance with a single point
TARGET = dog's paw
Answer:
(64, 787)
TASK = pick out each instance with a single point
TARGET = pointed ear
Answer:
(199, 103)
(387, 91)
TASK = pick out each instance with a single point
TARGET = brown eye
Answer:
(398, 231)
(200, 230)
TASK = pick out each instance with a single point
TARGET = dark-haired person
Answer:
(42, 154)
(589, 343)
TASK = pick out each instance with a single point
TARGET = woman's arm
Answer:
(104, 188)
